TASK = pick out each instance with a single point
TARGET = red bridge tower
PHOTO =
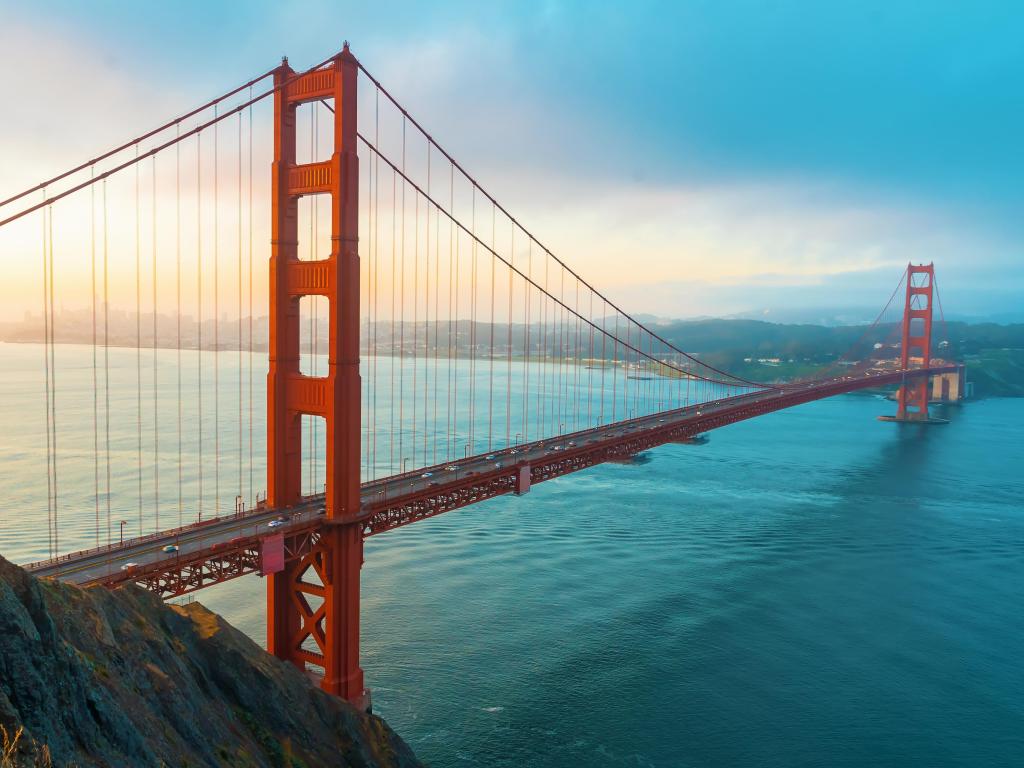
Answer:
(315, 623)
(916, 345)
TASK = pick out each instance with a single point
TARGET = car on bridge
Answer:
(170, 548)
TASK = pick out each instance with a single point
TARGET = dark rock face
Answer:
(117, 678)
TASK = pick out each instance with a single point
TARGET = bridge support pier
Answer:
(313, 612)
(313, 603)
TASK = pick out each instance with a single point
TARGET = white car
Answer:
(275, 523)
(427, 474)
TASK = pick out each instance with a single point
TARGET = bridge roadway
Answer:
(223, 548)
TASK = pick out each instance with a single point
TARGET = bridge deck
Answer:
(226, 547)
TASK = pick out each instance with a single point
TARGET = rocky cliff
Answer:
(92, 677)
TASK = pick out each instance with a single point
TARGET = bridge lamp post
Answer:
(123, 524)
(405, 460)
(519, 436)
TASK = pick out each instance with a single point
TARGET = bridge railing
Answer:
(259, 508)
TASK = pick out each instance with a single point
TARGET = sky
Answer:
(757, 157)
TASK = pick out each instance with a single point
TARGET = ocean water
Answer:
(813, 587)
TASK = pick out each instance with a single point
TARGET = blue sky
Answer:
(755, 155)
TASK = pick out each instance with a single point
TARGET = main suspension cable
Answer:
(469, 230)
(138, 140)
(179, 137)
(407, 116)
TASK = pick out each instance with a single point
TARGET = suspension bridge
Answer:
(423, 351)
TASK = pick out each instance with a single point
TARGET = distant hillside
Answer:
(731, 344)
(94, 677)
(994, 353)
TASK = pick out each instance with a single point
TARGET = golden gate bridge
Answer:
(425, 351)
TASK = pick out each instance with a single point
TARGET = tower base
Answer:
(914, 420)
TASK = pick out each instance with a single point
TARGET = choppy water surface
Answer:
(810, 588)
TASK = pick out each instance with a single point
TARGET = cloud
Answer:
(694, 174)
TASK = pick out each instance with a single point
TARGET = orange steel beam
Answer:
(325, 636)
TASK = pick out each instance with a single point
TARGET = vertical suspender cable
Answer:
(374, 410)
(563, 348)
(216, 318)
(252, 498)
(437, 320)
(376, 282)
(371, 318)
(542, 389)
(615, 373)
(95, 366)
(138, 337)
(453, 306)
(239, 343)
(604, 361)
(156, 388)
(199, 304)
(394, 230)
(371, 310)
(426, 326)
(590, 364)
(46, 366)
(472, 336)
(177, 254)
(528, 323)
(576, 350)
(415, 312)
(401, 312)
(490, 351)
(508, 348)
(106, 347)
(53, 387)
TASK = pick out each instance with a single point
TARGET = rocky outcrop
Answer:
(116, 678)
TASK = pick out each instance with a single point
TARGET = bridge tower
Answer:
(916, 344)
(313, 602)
